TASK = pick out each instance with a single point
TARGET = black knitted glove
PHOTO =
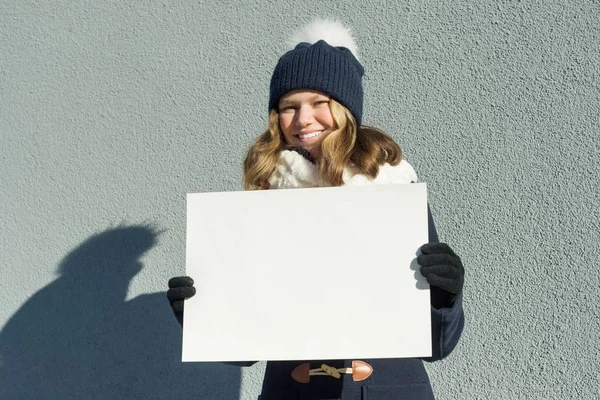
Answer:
(180, 288)
(444, 272)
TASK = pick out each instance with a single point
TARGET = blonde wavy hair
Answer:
(364, 147)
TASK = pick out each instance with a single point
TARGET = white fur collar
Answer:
(295, 171)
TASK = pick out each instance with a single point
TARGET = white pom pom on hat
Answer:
(331, 31)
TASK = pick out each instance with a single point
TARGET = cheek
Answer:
(325, 117)
(284, 123)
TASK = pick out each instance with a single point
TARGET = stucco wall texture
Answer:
(110, 112)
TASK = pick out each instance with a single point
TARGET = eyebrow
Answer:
(286, 102)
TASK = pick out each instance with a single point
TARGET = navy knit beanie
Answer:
(323, 59)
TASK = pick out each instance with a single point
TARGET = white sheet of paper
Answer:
(307, 274)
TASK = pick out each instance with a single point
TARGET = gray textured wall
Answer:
(110, 112)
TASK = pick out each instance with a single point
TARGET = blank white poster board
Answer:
(307, 274)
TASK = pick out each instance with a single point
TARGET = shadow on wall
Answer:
(78, 338)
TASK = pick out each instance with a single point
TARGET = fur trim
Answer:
(333, 32)
(295, 171)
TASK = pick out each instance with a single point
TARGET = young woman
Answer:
(316, 138)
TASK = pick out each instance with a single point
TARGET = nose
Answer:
(305, 116)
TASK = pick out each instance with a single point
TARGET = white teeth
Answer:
(310, 135)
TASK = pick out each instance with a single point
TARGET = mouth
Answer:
(310, 135)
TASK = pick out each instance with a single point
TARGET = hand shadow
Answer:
(77, 338)
(421, 282)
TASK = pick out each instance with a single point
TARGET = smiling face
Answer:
(305, 119)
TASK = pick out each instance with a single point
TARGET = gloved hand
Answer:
(180, 288)
(444, 272)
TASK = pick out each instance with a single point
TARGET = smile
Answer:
(309, 135)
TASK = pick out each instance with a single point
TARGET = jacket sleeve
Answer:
(446, 323)
(446, 328)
